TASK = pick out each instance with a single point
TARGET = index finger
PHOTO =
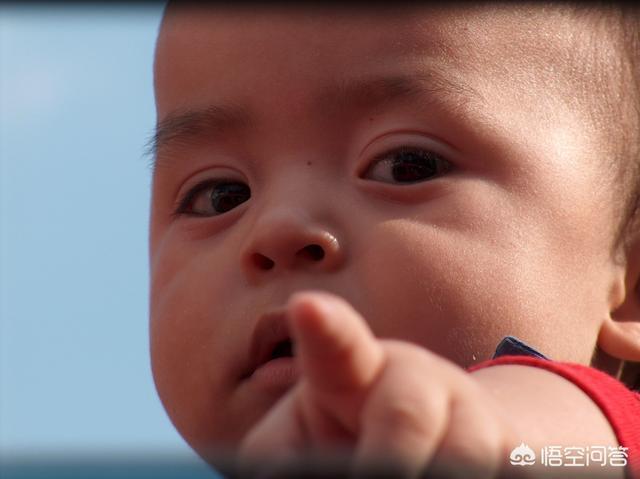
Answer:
(339, 355)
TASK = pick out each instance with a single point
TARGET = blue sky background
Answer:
(76, 108)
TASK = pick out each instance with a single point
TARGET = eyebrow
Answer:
(181, 125)
(184, 126)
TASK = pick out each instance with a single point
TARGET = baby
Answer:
(352, 208)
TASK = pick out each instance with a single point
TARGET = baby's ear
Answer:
(620, 332)
(619, 336)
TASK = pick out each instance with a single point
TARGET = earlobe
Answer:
(619, 334)
(618, 351)
(621, 338)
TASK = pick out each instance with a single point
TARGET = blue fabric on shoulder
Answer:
(511, 346)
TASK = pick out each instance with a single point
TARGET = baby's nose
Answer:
(290, 243)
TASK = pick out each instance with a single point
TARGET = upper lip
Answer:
(271, 329)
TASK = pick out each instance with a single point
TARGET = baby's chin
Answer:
(222, 452)
(219, 450)
(229, 424)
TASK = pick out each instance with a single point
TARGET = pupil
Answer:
(227, 196)
(410, 166)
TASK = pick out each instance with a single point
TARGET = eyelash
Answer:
(439, 162)
(189, 196)
(183, 202)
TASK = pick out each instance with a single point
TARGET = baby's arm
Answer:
(391, 399)
(545, 409)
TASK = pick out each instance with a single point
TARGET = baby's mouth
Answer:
(283, 349)
(270, 342)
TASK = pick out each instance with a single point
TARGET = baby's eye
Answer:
(406, 165)
(213, 197)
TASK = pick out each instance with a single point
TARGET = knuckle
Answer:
(402, 354)
(405, 413)
(404, 397)
(413, 414)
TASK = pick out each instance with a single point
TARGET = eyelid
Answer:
(210, 177)
(189, 195)
(392, 141)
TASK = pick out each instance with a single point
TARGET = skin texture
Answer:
(514, 238)
(394, 402)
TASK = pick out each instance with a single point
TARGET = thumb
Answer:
(338, 355)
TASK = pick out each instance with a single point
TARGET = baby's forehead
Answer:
(491, 64)
(535, 48)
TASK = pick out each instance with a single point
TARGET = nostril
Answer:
(313, 251)
(262, 262)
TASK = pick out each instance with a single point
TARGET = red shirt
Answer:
(619, 405)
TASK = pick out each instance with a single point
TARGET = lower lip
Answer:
(277, 374)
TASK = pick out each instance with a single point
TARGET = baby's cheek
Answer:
(432, 289)
(187, 342)
(176, 362)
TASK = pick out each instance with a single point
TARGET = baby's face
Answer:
(434, 168)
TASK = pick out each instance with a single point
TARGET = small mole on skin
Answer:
(308, 163)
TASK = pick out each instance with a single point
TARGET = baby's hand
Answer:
(381, 399)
